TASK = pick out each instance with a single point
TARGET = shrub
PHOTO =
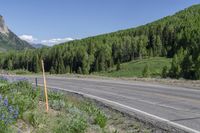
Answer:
(100, 119)
(77, 124)
(99, 116)
(21, 94)
(71, 124)
(55, 94)
(52, 71)
(56, 100)
(35, 117)
(146, 71)
(57, 104)
(8, 114)
(165, 72)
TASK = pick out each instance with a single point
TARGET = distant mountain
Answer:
(39, 45)
(10, 41)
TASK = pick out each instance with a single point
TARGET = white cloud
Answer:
(54, 41)
(28, 38)
(50, 42)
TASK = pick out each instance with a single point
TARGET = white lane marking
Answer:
(144, 101)
(179, 126)
(138, 99)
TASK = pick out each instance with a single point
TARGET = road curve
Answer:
(173, 105)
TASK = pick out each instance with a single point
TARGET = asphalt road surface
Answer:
(174, 105)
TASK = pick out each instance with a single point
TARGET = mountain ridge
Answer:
(8, 39)
(39, 45)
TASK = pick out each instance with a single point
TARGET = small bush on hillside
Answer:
(146, 71)
(164, 72)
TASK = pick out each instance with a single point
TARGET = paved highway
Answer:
(175, 106)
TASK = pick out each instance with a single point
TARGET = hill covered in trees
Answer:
(176, 37)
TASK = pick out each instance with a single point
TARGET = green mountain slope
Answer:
(162, 37)
(9, 41)
(175, 36)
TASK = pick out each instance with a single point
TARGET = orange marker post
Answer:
(45, 87)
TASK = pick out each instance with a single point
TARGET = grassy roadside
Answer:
(135, 68)
(67, 114)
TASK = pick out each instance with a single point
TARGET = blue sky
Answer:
(52, 21)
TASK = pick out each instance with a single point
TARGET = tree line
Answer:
(176, 37)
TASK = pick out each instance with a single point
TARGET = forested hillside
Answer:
(176, 36)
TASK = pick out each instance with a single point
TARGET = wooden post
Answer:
(45, 87)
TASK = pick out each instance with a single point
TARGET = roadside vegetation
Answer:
(22, 109)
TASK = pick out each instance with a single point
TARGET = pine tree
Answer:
(10, 65)
(175, 68)
(67, 69)
(118, 67)
(187, 67)
(158, 46)
(79, 70)
(60, 65)
(36, 66)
